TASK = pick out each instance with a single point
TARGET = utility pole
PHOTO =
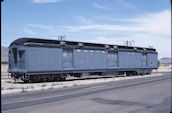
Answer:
(129, 43)
(126, 43)
(61, 38)
(150, 46)
(132, 41)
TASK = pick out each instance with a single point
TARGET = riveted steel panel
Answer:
(90, 59)
(44, 59)
(152, 60)
(130, 60)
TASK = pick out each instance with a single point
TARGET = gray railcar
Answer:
(36, 60)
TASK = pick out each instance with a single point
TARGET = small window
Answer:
(9, 53)
(64, 54)
(15, 55)
(67, 53)
(21, 53)
(144, 56)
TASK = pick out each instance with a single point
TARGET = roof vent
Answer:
(62, 43)
(107, 46)
(115, 47)
(80, 44)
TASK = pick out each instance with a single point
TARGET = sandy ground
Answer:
(4, 70)
(163, 68)
(8, 85)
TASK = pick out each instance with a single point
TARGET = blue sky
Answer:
(147, 22)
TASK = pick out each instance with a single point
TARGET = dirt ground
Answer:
(4, 70)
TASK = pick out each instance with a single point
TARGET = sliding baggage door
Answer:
(67, 58)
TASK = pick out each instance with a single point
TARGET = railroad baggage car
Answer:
(37, 60)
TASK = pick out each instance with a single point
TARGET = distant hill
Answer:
(165, 60)
(4, 54)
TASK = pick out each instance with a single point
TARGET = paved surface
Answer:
(143, 95)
